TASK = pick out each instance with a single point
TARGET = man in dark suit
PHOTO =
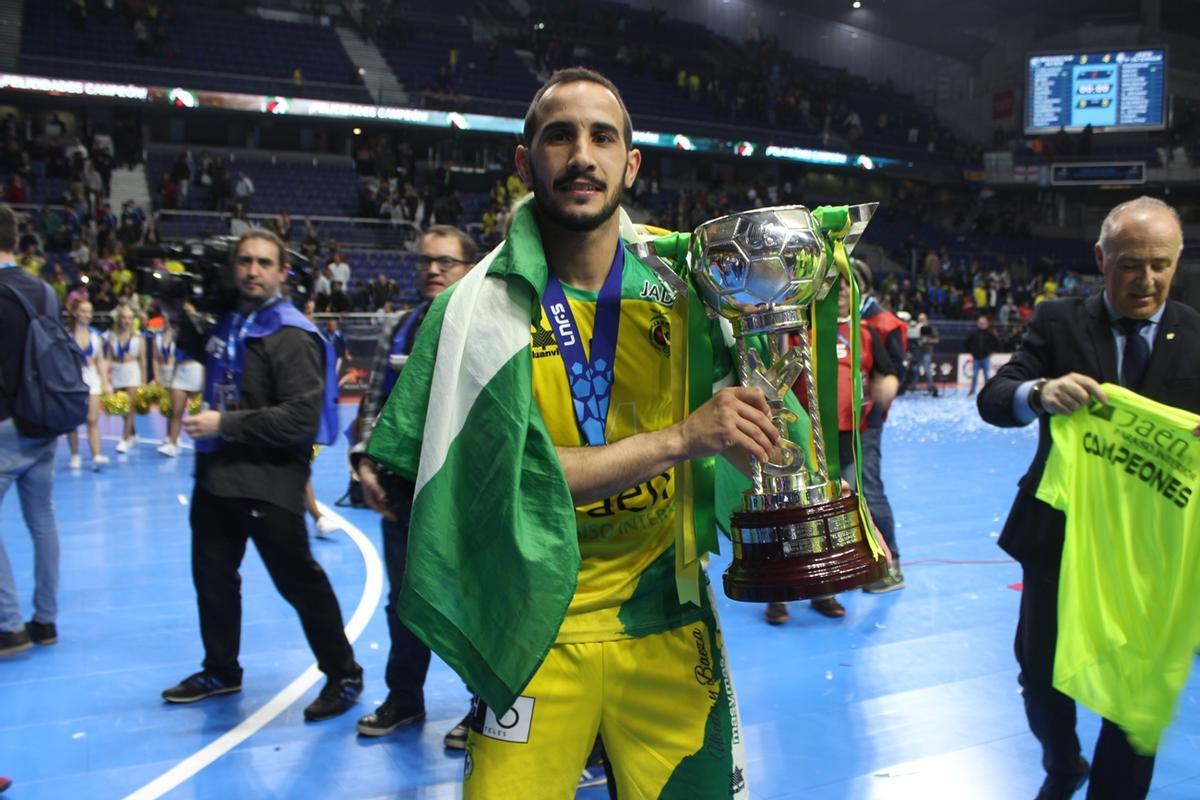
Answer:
(1132, 335)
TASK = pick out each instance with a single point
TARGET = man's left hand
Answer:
(204, 425)
(1197, 431)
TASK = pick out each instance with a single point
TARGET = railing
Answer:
(356, 231)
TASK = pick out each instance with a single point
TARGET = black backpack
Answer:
(52, 397)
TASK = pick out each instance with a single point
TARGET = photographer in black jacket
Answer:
(270, 394)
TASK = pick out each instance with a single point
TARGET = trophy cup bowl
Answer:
(797, 536)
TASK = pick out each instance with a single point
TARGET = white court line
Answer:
(371, 594)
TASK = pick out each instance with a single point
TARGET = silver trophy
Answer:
(796, 536)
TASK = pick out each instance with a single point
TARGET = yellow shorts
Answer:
(663, 705)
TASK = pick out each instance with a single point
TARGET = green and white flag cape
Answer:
(493, 555)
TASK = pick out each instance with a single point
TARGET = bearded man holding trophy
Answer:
(561, 415)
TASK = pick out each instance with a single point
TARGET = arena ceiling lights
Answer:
(191, 99)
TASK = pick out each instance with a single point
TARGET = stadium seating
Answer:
(203, 49)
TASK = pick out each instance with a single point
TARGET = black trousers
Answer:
(1118, 772)
(408, 657)
(221, 527)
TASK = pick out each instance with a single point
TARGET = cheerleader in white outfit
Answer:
(184, 377)
(127, 357)
(95, 375)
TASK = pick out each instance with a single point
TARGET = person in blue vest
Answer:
(444, 255)
(270, 394)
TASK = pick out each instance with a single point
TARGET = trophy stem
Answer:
(756, 476)
(814, 412)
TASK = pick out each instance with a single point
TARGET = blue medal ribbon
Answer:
(591, 379)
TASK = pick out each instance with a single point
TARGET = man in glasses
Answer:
(445, 254)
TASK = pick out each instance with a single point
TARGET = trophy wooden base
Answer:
(800, 553)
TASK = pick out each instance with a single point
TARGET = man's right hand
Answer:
(736, 416)
(373, 491)
(1071, 392)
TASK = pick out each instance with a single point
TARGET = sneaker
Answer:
(199, 686)
(76, 462)
(123, 446)
(336, 698)
(891, 582)
(777, 613)
(326, 527)
(456, 739)
(829, 607)
(42, 632)
(593, 776)
(387, 718)
(99, 461)
(14, 641)
(168, 449)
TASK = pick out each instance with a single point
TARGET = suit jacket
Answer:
(1076, 336)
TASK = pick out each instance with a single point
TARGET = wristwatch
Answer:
(1035, 397)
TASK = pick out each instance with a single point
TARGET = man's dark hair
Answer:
(465, 243)
(8, 229)
(572, 75)
(267, 236)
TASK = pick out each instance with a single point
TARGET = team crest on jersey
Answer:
(660, 334)
(542, 340)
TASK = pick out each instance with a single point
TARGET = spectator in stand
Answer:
(360, 297)
(283, 226)
(16, 192)
(382, 290)
(75, 152)
(150, 234)
(322, 290)
(103, 300)
(339, 302)
(239, 224)
(243, 191)
(220, 189)
(168, 192)
(30, 261)
(981, 343)
(28, 238)
(1008, 312)
(339, 270)
(131, 213)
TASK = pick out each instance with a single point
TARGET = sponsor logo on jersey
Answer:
(511, 726)
(658, 292)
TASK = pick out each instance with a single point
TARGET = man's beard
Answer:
(543, 197)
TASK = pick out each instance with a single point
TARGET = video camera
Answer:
(206, 281)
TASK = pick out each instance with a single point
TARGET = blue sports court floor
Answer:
(911, 695)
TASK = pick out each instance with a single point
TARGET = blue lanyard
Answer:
(235, 341)
(590, 380)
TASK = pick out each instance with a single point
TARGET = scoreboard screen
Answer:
(1111, 90)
